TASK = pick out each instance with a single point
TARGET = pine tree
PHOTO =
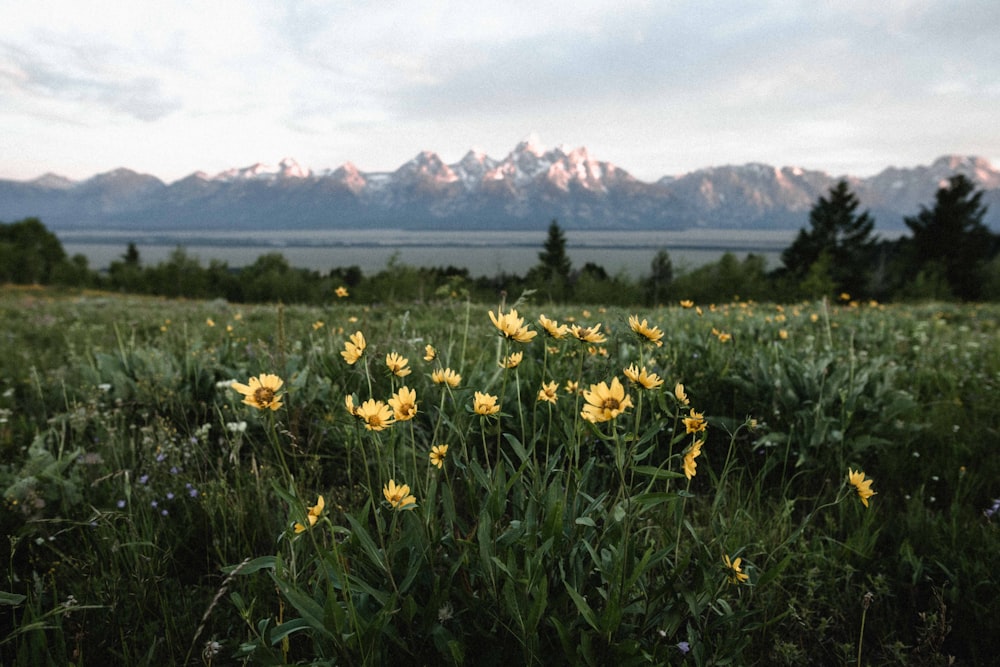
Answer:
(554, 263)
(952, 236)
(842, 235)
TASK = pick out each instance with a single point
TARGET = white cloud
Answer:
(656, 87)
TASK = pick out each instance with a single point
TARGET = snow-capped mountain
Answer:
(524, 190)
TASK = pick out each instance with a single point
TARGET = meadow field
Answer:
(518, 482)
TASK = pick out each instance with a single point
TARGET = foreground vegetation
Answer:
(690, 484)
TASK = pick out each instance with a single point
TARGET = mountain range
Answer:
(524, 190)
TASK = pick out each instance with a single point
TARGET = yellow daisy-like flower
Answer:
(210, 322)
(680, 394)
(438, 452)
(736, 573)
(651, 334)
(588, 334)
(605, 403)
(485, 404)
(511, 326)
(341, 292)
(317, 325)
(399, 496)
(695, 422)
(262, 392)
(446, 376)
(397, 364)
(552, 328)
(512, 360)
(572, 386)
(863, 486)
(404, 404)
(721, 335)
(548, 392)
(354, 348)
(643, 377)
(783, 334)
(376, 415)
(349, 404)
(690, 467)
(313, 516)
(687, 303)
(430, 354)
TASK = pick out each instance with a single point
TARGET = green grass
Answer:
(150, 512)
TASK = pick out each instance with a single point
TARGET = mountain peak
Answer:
(531, 145)
(53, 181)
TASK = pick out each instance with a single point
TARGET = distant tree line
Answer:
(949, 254)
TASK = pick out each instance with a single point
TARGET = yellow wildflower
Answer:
(736, 573)
(690, 467)
(680, 394)
(313, 515)
(317, 325)
(354, 348)
(512, 326)
(605, 403)
(485, 404)
(695, 422)
(210, 322)
(651, 334)
(404, 404)
(548, 392)
(349, 404)
(399, 496)
(687, 303)
(588, 334)
(261, 393)
(397, 364)
(430, 354)
(512, 360)
(446, 376)
(341, 292)
(553, 328)
(572, 386)
(438, 452)
(376, 415)
(643, 377)
(863, 486)
(721, 335)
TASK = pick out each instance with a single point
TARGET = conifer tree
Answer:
(952, 237)
(554, 263)
(841, 235)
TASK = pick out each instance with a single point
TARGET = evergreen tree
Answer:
(952, 235)
(554, 264)
(657, 285)
(844, 236)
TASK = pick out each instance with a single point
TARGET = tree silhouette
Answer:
(29, 253)
(952, 238)
(840, 234)
(554, 264)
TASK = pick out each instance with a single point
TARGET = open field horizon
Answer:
(484, 253)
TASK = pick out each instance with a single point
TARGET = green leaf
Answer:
(13, 599)
(583, 607)
(657, 473)
(256, 565)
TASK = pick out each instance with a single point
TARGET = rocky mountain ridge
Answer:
(524, 190)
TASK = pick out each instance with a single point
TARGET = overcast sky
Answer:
(658, 87)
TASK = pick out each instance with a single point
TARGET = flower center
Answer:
(611, 404)
(263, 396)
